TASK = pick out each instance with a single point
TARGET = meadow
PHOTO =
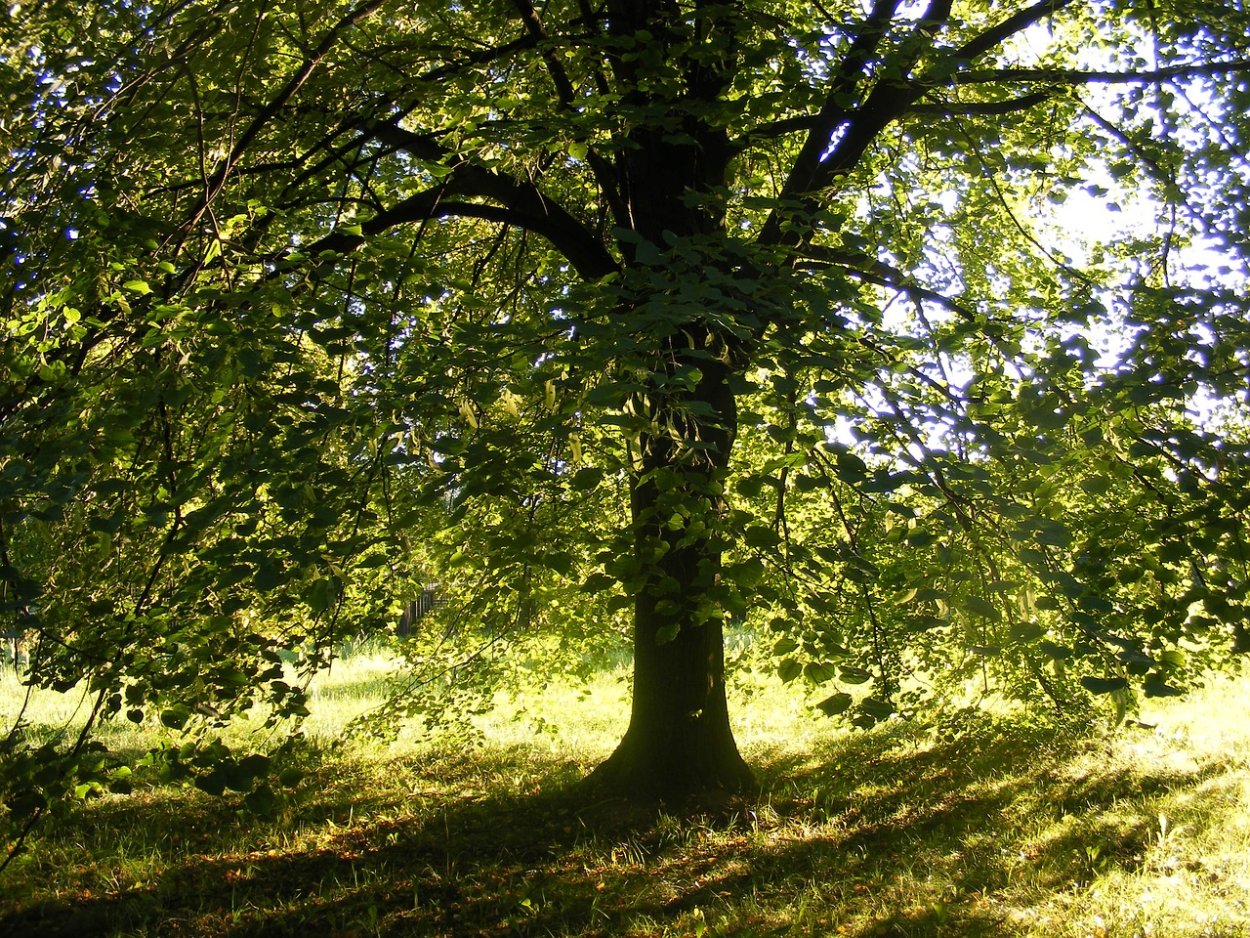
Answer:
(984, 823)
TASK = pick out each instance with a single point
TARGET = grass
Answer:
(989, 826)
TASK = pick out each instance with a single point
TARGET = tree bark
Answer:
(669, 179)
(679, 745)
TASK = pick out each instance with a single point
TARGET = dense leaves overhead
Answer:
(908, 338)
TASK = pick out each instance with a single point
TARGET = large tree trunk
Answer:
(679, 745)
(671, 174)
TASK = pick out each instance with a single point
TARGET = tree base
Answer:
(651, 774)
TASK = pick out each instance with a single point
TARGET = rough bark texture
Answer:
(679, 744)
(668, 177)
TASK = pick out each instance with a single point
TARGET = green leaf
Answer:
(598, 583)
(263, 802)
(904, 598)
(1155, 686)
(212, 783)
(321, 595)
(751, 486)
(980, 606)
(784, 646)
(667, 633)
(1103, 685)
(254, 765)
(1097, 485)
(269, 575)
(835, 704)
(1054, 534)
(1026, 632)
(648, 254)
(747, 575)
(1172, 658)
(789, 669)
(817, 672)
(851, 469)
(876, 708)
(588, 478)
(761, 537)
(1055, 652)
(850, 674)
(290, 777)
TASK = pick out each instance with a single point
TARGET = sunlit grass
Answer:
(993, 826)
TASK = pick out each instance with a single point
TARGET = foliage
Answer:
(754, 313)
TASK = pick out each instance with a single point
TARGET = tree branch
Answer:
(816, 167)
(555, 68)
(833, 111)
(982, 108)
(877, 272)
(887, 102)
(996, 35)
(584, 252)
(269, 111)
(565, 92)
(1076, 76)
(526, 205)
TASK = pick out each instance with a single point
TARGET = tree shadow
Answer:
(878, 833)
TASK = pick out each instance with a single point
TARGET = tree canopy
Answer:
(908, 338)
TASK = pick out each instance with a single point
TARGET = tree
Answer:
(717, 311)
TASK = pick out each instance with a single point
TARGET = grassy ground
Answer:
(993, 827)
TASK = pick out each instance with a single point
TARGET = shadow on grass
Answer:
(875, 834)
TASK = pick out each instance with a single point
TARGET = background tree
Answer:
(737, 311)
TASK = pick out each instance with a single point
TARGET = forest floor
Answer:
(987, 824)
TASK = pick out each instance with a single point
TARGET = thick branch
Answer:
(997, 35)
(584, 252)
(526, 205)
(775, 129)
(534, 26)
(816, 167)
(791, 125)
(833, 111)
(889, 100)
